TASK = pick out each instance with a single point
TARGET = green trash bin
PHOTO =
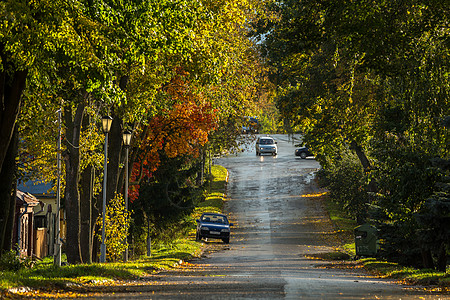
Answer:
(366, 243)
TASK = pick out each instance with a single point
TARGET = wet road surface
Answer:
(276, 228)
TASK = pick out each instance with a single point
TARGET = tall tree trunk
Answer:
(114, 157)
(72, 196)
(86, 213)
(7, 194)
(12, 85)
(11, 89)
(361, 155)
(427, 259)
(201, 163)
(115, 174)
(86, 194)
(371, 186)
(441, 264)
(96, 211)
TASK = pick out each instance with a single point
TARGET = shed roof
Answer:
(26, 198)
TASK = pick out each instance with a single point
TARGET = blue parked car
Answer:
(213, 225)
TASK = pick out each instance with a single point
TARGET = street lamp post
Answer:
(106, 125)
(126, 141)
(57, 250)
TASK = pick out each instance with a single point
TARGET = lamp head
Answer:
(106, 123)
(127, 137)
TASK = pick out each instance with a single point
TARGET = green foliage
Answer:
(270, 123)
(434, 218)
(117, 223)
(161, 218)
(172, 190)
(10, 261)
(406, 179)
(375, 265)
(165, 228)
(346, 182)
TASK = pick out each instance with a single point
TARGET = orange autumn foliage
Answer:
(180, 131)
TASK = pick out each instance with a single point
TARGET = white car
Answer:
(266, 145)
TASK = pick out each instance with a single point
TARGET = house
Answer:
(44, 217)
(23, 233)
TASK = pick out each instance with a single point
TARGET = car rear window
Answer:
(214, 219)
(266, 141)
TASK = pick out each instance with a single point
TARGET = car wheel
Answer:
(226, 240)
(303, 155)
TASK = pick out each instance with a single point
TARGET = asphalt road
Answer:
(267, 258)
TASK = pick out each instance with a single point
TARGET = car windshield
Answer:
(266, 142)
(214, 219)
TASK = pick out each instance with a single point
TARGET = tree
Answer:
(28, 34)
(370, 77)
(433, 220)
(8, 195)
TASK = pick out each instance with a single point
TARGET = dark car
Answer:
(303, 152)
(213, 225)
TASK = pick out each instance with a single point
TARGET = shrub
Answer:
(406, 179)
(346, 182)
(117, 223)
(10, 261)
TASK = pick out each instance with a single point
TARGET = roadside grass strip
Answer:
(344, 225)
(407, 274)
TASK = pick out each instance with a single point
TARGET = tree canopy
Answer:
(370, 77)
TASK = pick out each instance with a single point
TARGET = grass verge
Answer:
(343, 225)
(45, 276)
(344, 231)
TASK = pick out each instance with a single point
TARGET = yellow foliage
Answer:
(117, 223)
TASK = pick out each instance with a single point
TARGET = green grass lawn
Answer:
(45, 274)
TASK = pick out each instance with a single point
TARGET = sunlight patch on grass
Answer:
(408, 274)
(313, 195)
(336, 255)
